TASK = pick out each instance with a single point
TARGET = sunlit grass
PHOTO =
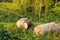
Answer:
(15, 33)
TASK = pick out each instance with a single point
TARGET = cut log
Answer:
(40, 29)
(23, 22)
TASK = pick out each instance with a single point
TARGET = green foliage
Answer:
(37, 11)
(9, 31)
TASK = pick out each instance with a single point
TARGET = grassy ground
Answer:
(9, 31)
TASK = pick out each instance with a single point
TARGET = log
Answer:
(23, 22)
(40, 29)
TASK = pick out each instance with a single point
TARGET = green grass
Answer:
(9, 31)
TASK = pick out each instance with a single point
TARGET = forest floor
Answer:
(12, 32)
